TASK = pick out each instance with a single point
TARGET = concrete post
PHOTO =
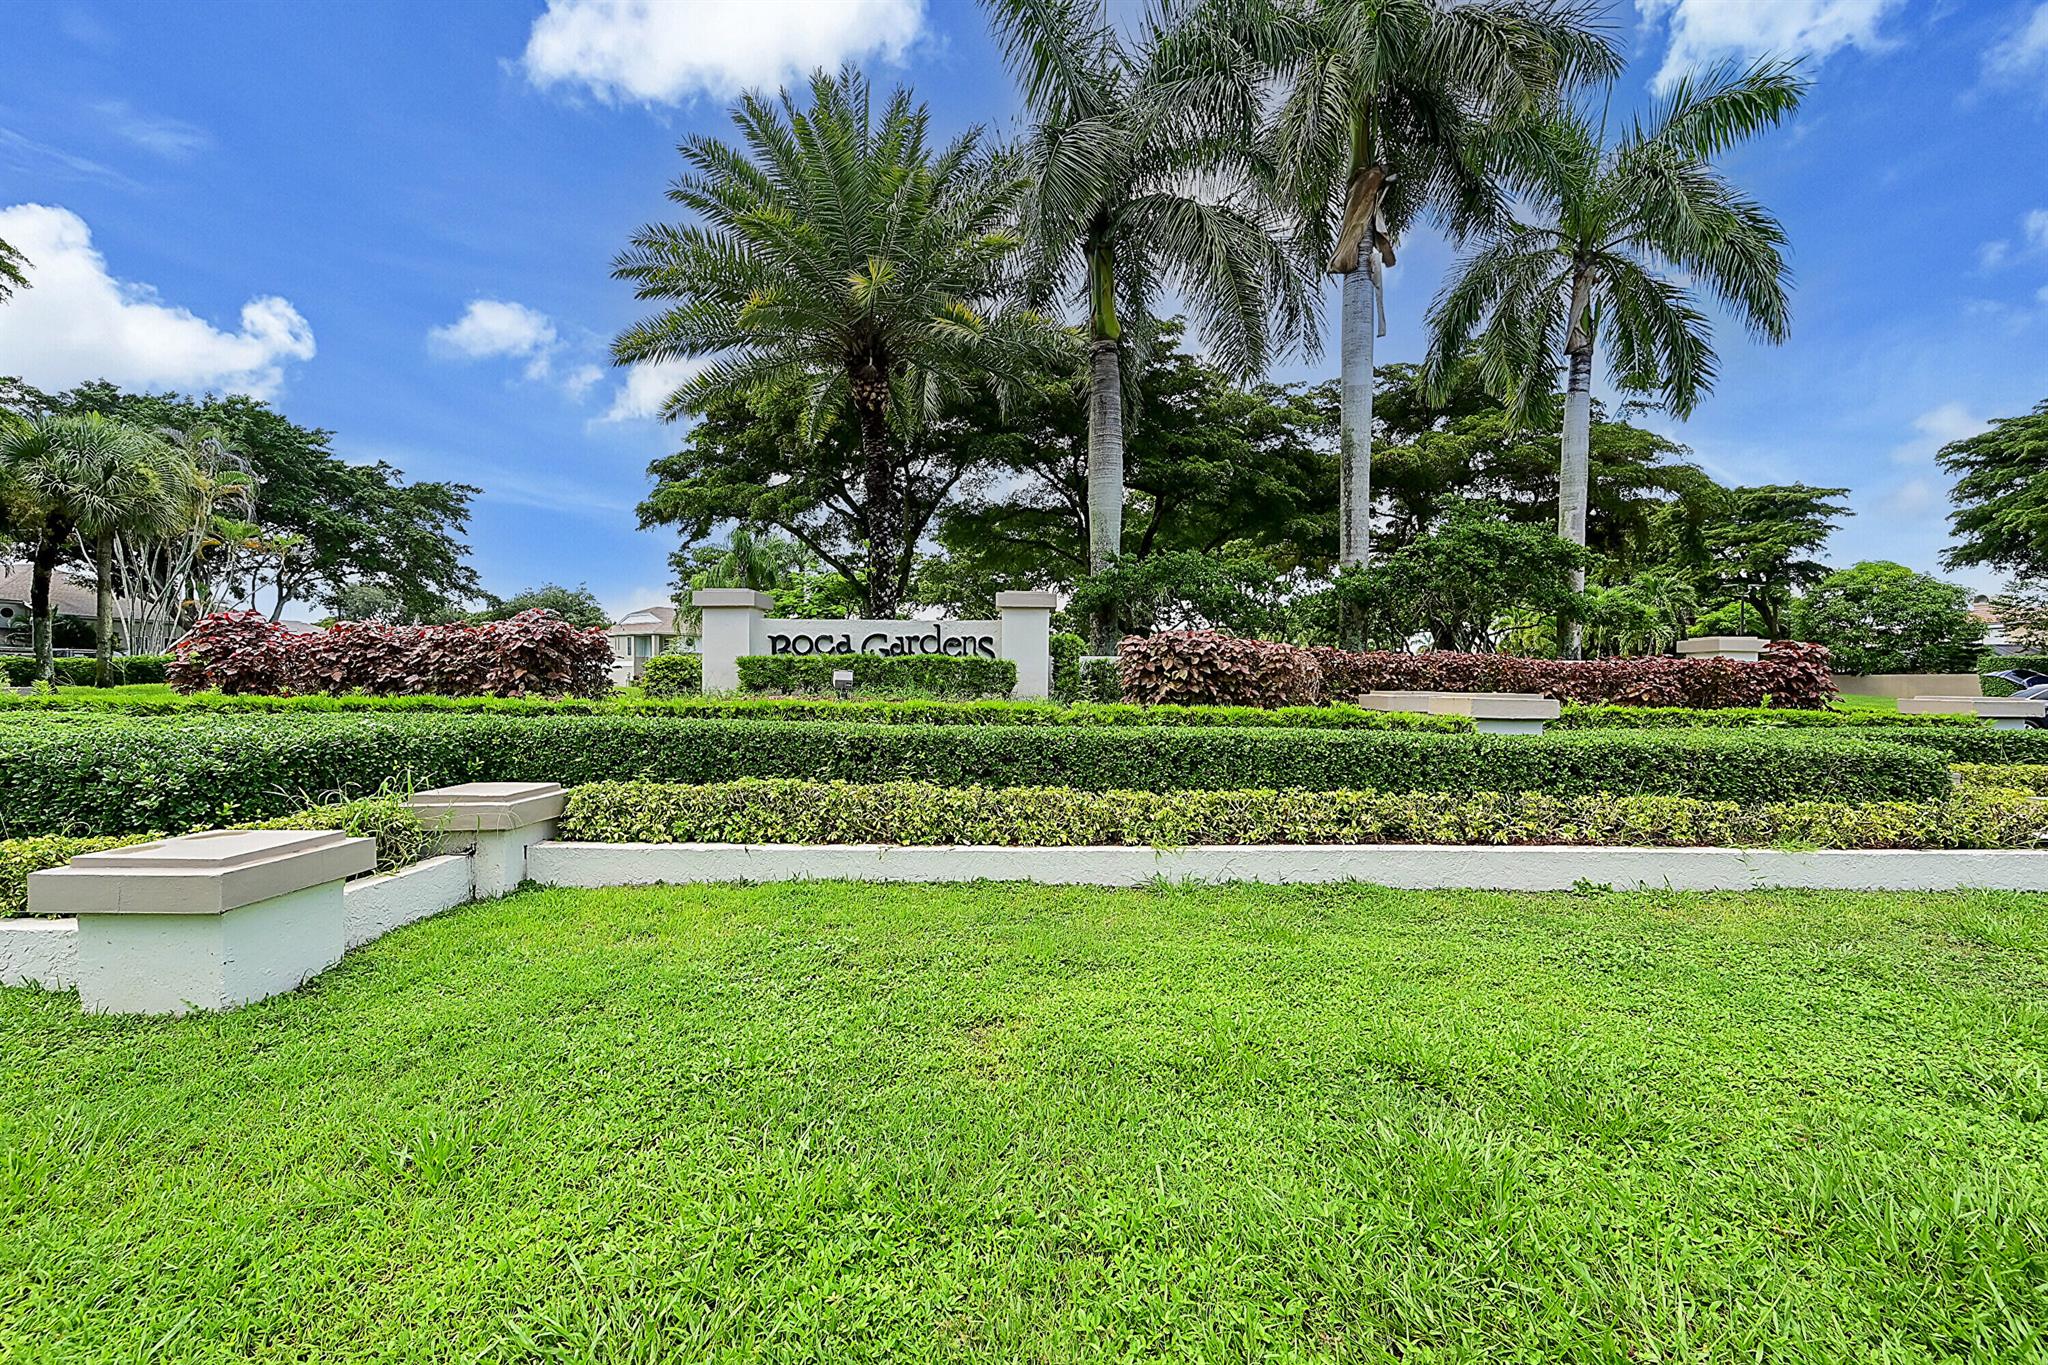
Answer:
(732, 628)
(495, 823)
(1743, 647)
(1025, 636)
(205, 921)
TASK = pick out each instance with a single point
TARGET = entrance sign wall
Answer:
(736, 623)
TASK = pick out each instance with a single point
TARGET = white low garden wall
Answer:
(1406, 866)
(377, 905)
(39, 952)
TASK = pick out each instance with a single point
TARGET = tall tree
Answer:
(85, 475)
(1609, 233)
(13, 271)
(1146, 171)
(1760, 545)
(839, 251)
(2001, 496)
(1386, 116)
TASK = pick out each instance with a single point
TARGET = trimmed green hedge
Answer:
(186, 772)
(1967, 744)
(939, 675)
(1575, 717)
(73, 671)
(782, 812)
(401, 841)
(1998, 687)
(673, 675)
(2026, 777)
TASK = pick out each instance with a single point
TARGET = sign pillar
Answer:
(732, 628)
(1026, 640)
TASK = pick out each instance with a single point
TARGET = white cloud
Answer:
(2023, 56)
(647, 387)
(2035, 226)
(79, 322)
(1992, 255)
(664, 51)
(1704, 32)
(496, 327)
(170, 138)
(1934, 429)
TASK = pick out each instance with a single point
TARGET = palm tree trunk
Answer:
(878, 491)
(1105, 475)
(42, 619)
(103, 625)
(1354, 439)
(1574, 473)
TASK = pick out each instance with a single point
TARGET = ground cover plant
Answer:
(110, 776)
(1000, 1122)
(786, 812)
(934, 674)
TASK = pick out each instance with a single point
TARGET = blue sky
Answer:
(397, 221)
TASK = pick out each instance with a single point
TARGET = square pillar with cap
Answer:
(204, 921)
(495, 823)
(1025, 638)
(1743, 648)
(732, 627)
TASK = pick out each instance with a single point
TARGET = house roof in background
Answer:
(71, 596)
(646, 621)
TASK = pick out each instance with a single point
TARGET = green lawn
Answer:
(1002, 1123)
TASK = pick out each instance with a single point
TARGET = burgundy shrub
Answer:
(536, 653)
(1208, 667)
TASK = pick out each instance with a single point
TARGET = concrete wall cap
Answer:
(1477, 705)
(208, 873)
(1973, 706)
(477, 806)
(1044, 601)
(731, 597)
(1723, 644)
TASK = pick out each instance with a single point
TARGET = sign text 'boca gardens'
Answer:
(959, 639)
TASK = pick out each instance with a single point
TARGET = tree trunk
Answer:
(1574, 473)
(878, 491)
(1354, 440)
(1105, 476)
(42, 619)
(103, 624)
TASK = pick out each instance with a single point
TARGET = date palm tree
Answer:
(1147, 172)
(1387, 111)
(94, 478)
(1611, 236)
(839, 250)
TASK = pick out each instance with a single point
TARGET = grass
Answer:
(991, 1122)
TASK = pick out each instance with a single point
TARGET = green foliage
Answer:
(1459, 582)
(128, 670)
(788, 812)
(1102, 681)
(1583, 717)
(936, 675)
(1967, 743)
(673, 675)
(98, 777)
(1065, 650)
(401, 841)
(578, 606)
(1648, 614)
(1233, 590)
(2001, 486)
(2026, 777)
(1880, 617)
(1759, 545)
(2001, 663)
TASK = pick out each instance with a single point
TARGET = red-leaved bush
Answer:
(1206, 666)
(536, 653)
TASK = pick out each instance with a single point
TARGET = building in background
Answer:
(640, 635)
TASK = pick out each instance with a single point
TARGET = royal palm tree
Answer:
(1388, 112)
(1611, 240)
(1147, 172)
(840, 251)
(86, 476)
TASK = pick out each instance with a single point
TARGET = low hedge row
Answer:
(782, 812)
(866, 710)
(19, 670)
(673, 675)
(401, 841)
(1747, 717)
(2026, 777)
(939, 675)
(1966, 744)
(1999, 663)
(185, 772)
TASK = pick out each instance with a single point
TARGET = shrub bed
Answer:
(939, 675)
(785, 812)
(2026, 777)
(673, 675)
(1966, 744)
(535, 653)
(401, 841)
(1208, 666)
(1576, 717)
(182, 773)
(128, 670)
